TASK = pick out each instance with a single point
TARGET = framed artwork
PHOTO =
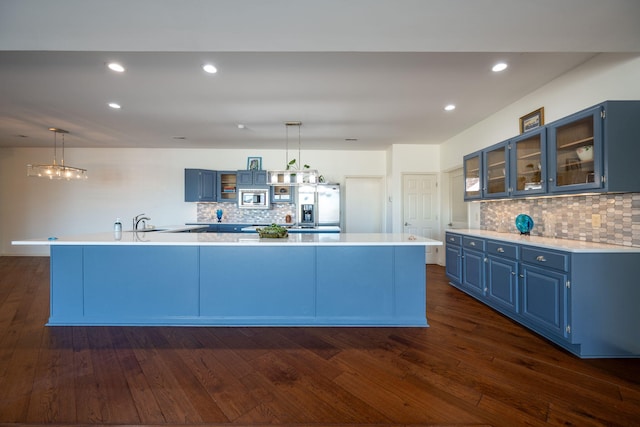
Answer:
(254, 163)
(533, 120)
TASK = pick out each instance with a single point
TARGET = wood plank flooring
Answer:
(472, 367)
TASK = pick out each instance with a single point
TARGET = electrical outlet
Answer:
(596, 221)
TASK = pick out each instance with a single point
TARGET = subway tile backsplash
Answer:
(571, 217)
(233, 215)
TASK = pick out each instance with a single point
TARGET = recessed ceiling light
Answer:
(241, 126)
(450, 107)
(114, 66)
(209, 68)
(500, 66)
(115, 105)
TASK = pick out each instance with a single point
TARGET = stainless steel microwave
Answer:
(253, 198)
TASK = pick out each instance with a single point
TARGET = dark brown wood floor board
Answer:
(582, 414)
(396, 407)
(196, 387)
(110, 378)
(305, 338)
(275, 400)
(237, 340)
(312, 376)
(506, 414)
(91, 407)
(142, 396)
(53, 397)
(221, 383)
(319, 365)
(418, 394)
(287, 379)
(174, 404)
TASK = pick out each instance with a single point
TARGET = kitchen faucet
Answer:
(140, 218)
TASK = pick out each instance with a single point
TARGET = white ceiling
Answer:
(378, 71)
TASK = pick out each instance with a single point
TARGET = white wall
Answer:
(126, 182)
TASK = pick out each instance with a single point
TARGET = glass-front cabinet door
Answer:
(575, 145)
(529, 163)
(472, 184)
(496, 171)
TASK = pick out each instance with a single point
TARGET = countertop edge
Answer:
(567, 245)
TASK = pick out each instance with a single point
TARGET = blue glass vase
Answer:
(219, 215)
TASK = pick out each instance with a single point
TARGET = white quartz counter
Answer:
(547, 242)
(235, 239)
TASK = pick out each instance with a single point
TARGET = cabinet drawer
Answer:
(473, 243)
(502, 249)
(454, 239)
(548, 259)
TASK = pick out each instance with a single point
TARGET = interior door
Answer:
(458, 211)
(420, 213)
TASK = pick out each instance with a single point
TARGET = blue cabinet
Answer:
(453, 257)
(248, 178)
(199, 185)
(227, 188)
(502, 276)
(496, 170)
(583, 301)
(473, 265)
(473, 181)
(594, 150)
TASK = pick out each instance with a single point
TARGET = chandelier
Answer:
(296, 173)
(57, 170)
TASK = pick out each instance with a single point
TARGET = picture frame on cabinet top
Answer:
(531, 121)
(254, 163)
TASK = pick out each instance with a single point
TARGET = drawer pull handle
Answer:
(451, 239)
(500, 250)
(541, 258)
(472, 243)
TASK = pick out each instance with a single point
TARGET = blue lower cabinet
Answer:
(544, 299)
(502, 283)
(473, 271)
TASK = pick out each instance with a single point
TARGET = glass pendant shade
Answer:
(55, 170)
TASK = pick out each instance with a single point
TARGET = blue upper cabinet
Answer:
(227, 186)
(496, 171)
(472, 176)
(528, 162)
(199, 185)
(248, 178)
(576, 152)
(594, 150)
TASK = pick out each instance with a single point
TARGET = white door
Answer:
(458, 211)
(364, 204)
(419, 209)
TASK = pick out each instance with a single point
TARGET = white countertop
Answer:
(234, 239)
(297, 229)
(547, 242)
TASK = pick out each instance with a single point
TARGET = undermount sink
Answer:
(147, 230)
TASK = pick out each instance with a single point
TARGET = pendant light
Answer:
(290, 176)
(55, 170)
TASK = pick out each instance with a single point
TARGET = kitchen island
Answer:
(235, 279)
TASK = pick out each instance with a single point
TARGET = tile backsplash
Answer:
(571, 217)
(233, 215)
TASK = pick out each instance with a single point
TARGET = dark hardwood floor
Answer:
(471, 367)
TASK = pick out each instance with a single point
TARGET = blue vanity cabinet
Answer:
(502, 276)
(546, 290)
(453, 257)
(495, 171)
(473, 265)
(199, 185)
(473, 181)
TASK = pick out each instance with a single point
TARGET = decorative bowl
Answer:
(524, 223)
(585, 153)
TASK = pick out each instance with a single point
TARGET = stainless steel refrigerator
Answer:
(328, 202)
